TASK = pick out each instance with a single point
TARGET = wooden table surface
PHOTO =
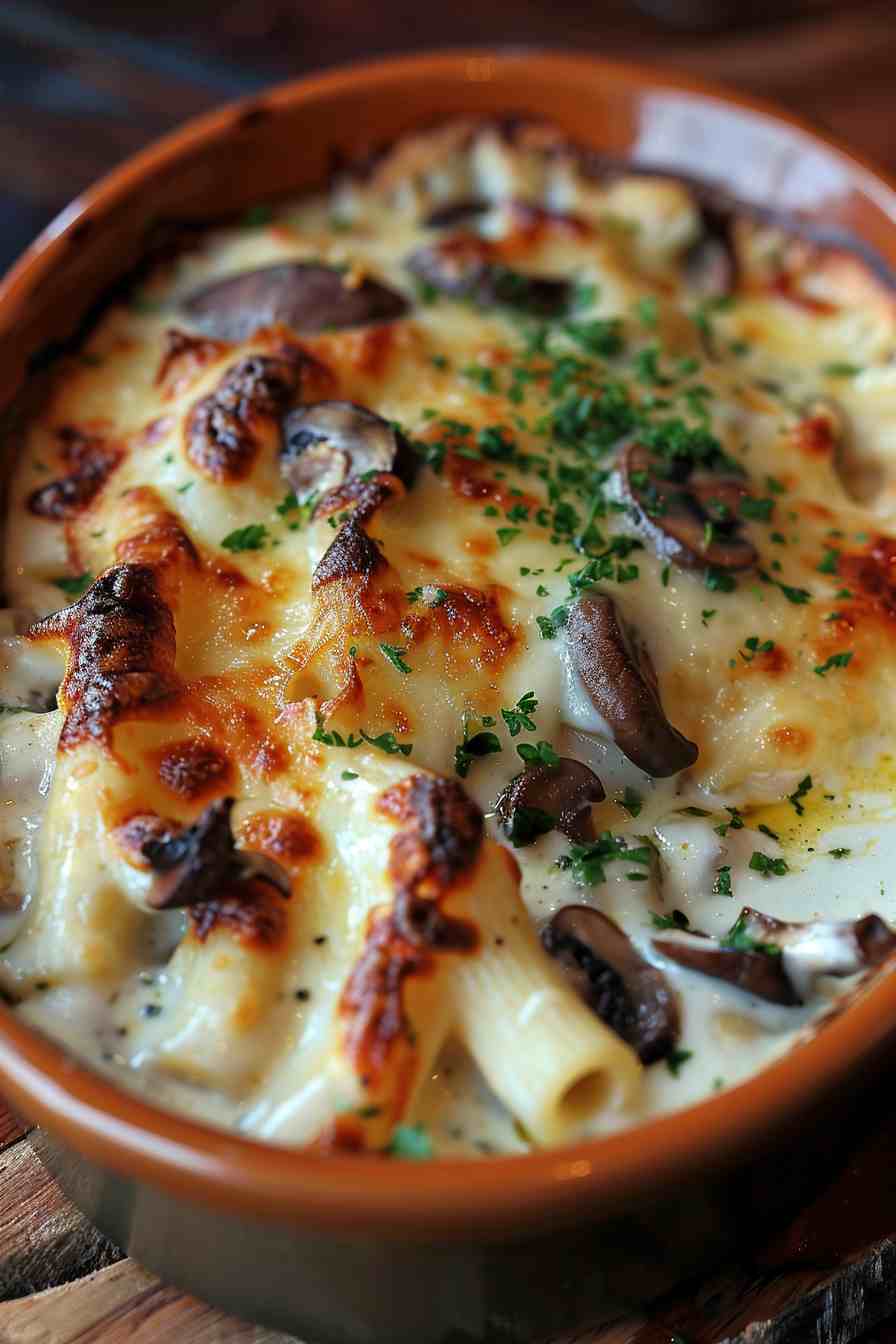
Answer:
(84, 83)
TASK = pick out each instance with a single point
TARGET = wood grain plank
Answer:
(122, 1304)
(44, 1240)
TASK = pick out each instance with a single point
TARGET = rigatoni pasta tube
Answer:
(543, 1052)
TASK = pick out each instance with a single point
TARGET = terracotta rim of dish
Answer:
(448, 1196)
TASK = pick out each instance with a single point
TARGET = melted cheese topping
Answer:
(228, 670)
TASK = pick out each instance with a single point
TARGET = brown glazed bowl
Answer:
(347, 1250)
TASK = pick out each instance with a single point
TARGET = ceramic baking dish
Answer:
(350, 1249)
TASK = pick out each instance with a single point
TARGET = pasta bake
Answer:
(449, 635)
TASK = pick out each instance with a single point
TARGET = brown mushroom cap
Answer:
(305, 295)
(192, 866)
(461, 267)
(564, 792)
(759, 973)
(674, 515)
(327, 443)
(625, 991)
(622, 688)
(779, 961)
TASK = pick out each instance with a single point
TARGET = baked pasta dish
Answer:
(449, 652)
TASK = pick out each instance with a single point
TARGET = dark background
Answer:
(83, 83)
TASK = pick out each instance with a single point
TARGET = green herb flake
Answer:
(841, 369)
(768, 867)
(396, 657)
(676, 920)
(722, 884)
(252, 537)
(410, 1142)
(676, 1059)
(519, 718)
(835, 660)
(257, 216)
(632, 801)
(74, 587)
(799, 793)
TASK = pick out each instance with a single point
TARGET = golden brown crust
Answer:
(222, 430)
(92, 460)
(194, 769)
(120, 636)
(251, 910)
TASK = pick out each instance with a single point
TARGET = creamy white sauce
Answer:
(124, 1028)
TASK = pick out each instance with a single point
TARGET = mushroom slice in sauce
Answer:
(462, 267)
(192, 865)
(331, 441)
(452, 213)
(621, 684)
(561, 793)
(781, 961)
(710, 265)
(305, 295)
(692, 521)
(632, 997)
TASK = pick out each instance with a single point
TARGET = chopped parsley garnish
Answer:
(474, 746)
(719, 580)
(349, 774)
(410, 1142)
(799, 793)
(648, 310)
(740, 940)
(829, 562)
(541, 754)
(527, 824)
(835, 660)
(632, 801)
(722, 884)
(586, 862)
(252, 537)
(676, 1059)
(386, 742)
(839, 853)
(707, 615)
(506, 535)
(767, 830)
(768, 867)
(519, 718)
(396, 657)
(759, 510)
(257, 216)
(483, 377)
(601, 336)
(735, 822)
(676, 920)
(752, 646)
(841, 369)
(74, 587)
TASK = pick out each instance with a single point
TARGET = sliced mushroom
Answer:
(192, 866)
(462, 267)
(710, 265)
(781, 961)
(625, 991)
(452, 213)
(677, 517)
(621, 685)
(759, 972)
(331, 441)
(305, 295)
(563, 792)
